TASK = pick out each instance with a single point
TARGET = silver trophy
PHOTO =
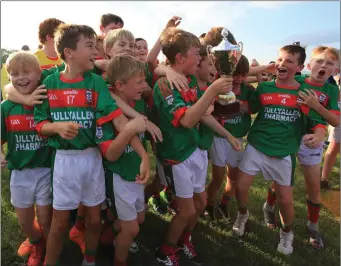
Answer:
(225, 58)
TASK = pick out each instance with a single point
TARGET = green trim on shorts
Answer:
(53, 157)
(109, 191)
(293, 168)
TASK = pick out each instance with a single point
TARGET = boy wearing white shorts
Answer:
(222, 153)
(322, 99)
(129, 167)
(28, 157)
(68, 118)
(274, 138)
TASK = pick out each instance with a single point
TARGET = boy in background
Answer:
(110, 22)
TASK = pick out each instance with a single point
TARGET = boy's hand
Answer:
(173, 22)
(3, 161)
(176, 79)
(221, 86)
(309, 98)
(235, 143)
(254, 63)
(154, 131)
(210, 109)
(312, 141)
(37, 96)
(137, 125)
(102, 64)
(144, 175)
(68, 130)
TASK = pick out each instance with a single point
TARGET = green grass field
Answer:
(214, 240)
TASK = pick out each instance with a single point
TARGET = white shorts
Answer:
(307, 156)
(279, 170)
(334, 134)
(222, 154)
(29, 186)
(78, 177)
(129, 198)
(189, 176)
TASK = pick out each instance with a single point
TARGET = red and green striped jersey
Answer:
(26, 149)
(280, 123)
(80, 100)
(206, 134)
(128, 164)
(239, 126)
(178, 142)
(328, 96)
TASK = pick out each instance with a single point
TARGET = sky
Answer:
(263, 27)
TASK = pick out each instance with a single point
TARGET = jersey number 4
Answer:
(284, 101)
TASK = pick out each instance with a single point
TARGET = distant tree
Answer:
(4, 53)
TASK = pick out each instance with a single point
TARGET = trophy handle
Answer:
(209, 54)
(239, 55)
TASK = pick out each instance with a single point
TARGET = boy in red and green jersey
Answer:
(184, 164)
(325, 105)
(75, 96)
(273, 140)
(28, 158)
(222, 154)
(127, 174)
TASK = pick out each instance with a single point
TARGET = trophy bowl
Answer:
(225, 58)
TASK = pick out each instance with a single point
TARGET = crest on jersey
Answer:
(322, 98)
(99, 132)
(299, 100)
(338, 104)
(169, 99)
(88, 97)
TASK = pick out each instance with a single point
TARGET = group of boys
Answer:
(99, 99)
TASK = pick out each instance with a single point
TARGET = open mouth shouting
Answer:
(321, 73)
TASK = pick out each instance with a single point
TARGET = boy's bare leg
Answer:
(243, 184)
(92, 232)
(330, 159)
(60, 222)
(77, 231)
(44, 216)
(128, 231)
(312, 183)
(218, 174)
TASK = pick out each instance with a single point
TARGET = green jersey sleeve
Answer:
(42, 114)
(169, 101)
(106, 107)
(254, 100)
(104, 136)
(3, 123)
(334, 100)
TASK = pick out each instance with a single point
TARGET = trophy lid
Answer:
(225, 45)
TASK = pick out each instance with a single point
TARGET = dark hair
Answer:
(242, 67)
(108, 18)
(295, 49)
(140, 39)
(331, 80)
(68, 35)
(25, 48)
(48, 27)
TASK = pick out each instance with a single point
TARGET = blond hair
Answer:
(22, 60)
(114, 35)
(330, 51)
(123, 67)
(174, 41)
